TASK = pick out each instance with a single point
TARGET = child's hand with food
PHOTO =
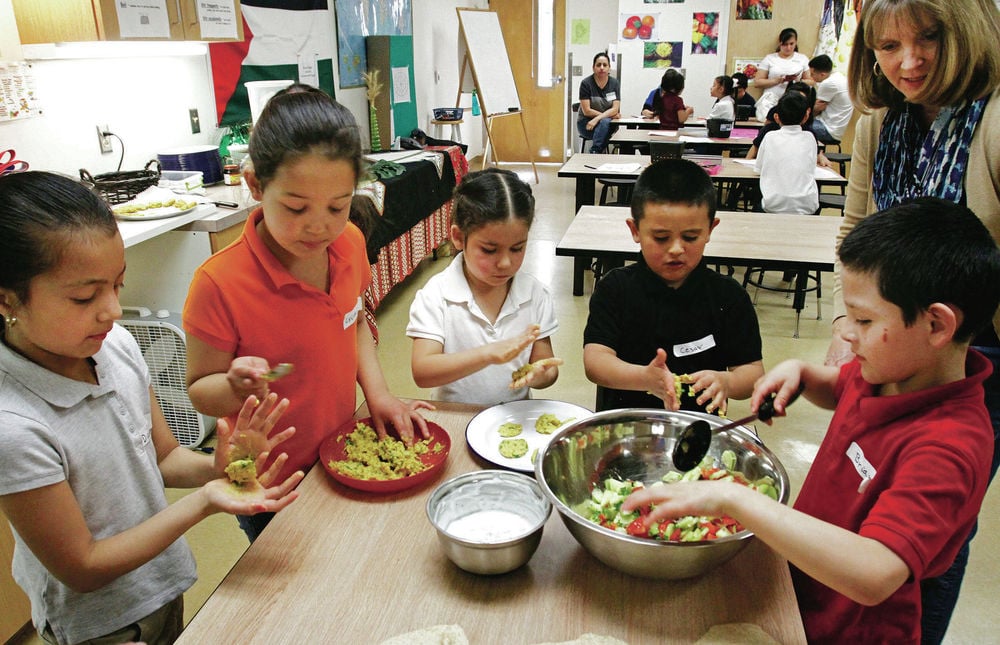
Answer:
(711, 388)
(544, 370)
(240, 447)
(245, 376)
(508, 349)
(660, 381)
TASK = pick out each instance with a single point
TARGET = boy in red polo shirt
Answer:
(899, 478)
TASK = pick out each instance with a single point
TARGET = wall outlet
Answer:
(104, 139)
(195, 121)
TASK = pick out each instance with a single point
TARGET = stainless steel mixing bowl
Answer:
(638, 444)
(501, 515)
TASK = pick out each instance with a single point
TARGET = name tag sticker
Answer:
(352, 316)
(611, 96)
(862, 465)
(695, 346)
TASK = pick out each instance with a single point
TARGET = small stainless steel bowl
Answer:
(638, 444)
(489, 521)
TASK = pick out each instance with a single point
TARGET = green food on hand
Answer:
(510, 429)
(513, 448)
(242, 472)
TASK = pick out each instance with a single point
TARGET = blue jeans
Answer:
(599, 135)
(253, 525)
(822, 134)
(940, 595)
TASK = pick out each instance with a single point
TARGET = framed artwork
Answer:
(753, 9)
(747, 66)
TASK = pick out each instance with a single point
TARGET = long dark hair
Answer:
(303, 121)
(42, 213)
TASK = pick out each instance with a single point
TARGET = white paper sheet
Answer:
(143, 18)
(217, 18)
(619, 167)
(663, 133)
(401, 85)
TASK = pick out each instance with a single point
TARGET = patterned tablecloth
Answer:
(411, 219)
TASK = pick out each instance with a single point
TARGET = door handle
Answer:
(557, 79)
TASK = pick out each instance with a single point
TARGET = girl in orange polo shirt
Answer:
(290, 289)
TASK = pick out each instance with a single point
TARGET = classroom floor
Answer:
(218, 543)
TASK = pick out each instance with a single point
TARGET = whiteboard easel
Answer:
(486, 57)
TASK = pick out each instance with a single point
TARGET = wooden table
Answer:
(342, 566)
(644, 123)
(630, 139)
(587, 167)
(800, 243)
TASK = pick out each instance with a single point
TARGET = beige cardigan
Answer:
(982, 180)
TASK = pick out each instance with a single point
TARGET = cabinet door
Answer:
(16, 608)
(53, 21)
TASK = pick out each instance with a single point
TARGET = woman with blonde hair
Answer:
(926, 76)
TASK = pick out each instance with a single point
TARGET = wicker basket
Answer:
(119, 187)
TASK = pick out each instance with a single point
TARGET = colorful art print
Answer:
(753, 9)
(662, 54)
(746, 66)
(705, 32)
(641, 26)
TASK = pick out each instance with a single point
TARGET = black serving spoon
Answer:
(694, 440)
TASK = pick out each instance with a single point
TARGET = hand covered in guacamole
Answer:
(239, 447)
(257, 496)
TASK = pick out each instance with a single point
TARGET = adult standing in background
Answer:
(833, 109)
(600, 100)
(778, 69)
(930, 72)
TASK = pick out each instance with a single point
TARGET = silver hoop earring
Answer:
(876, 70)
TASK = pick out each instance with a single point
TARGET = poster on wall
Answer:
(580, 31)
(18, 99)
(705, 32)
(357, 19)
(642, 27)
(746, 66)
(662, 55)
(753, 9)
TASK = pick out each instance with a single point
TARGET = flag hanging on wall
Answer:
(283, 39)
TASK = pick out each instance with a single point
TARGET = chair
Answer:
(839, 158)
(623, 191)
(583, 140)
(755, 276)
(832, 200)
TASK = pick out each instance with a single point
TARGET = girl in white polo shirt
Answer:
(481, 319)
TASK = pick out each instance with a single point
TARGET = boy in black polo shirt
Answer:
(668, 313)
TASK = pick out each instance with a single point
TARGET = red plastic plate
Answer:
(333, 450)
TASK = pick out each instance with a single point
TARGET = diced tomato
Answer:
(675, 536)
(638, 528)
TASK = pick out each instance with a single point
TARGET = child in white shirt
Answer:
(786, 161)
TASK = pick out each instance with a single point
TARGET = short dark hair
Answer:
(672, 81)
(726, 83)
(740, 80)
(792, 108)
(673, 181)
(821, 63)
(925, 251)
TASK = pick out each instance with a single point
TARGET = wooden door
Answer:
(543, 108)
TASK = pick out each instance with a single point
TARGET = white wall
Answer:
(145, 100)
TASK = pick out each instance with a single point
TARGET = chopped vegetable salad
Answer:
(605, 505)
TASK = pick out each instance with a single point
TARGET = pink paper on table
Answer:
(748, 133)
